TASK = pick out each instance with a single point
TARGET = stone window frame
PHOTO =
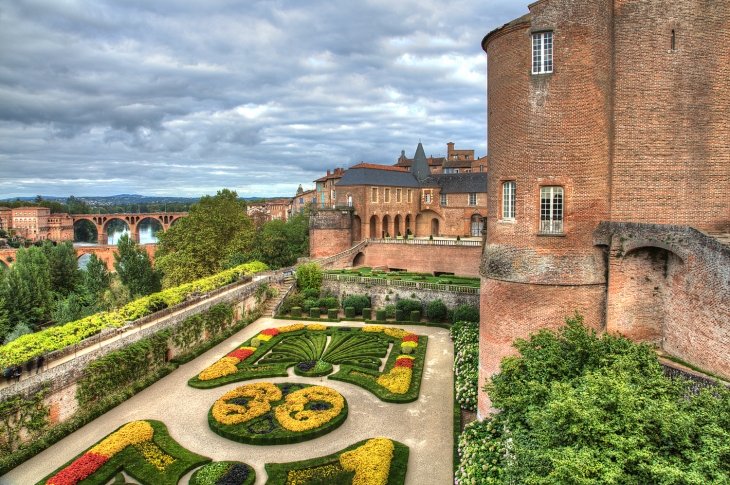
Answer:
(386, 196)
(398, 195)
(410, 196)
(374, 195)
(473, 198)
(444, 200)
(427, 197)
(540, 64)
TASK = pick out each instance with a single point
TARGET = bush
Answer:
(436, 311)
(296, 312)
(399, 315)
(309, 277)
(415, 316)
(367, 313)
(408, 305)
(406, 350)
(328, 303)
(357, 302)
(390, 311)
(309, 304)
(465, 313)
(314, 312)
(332, 313)
(295, 300)
(310, 293)
(349, 312)
(380, 315)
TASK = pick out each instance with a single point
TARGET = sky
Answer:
(184, 98)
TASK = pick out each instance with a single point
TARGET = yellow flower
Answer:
(291, 328)
(262, 392)
(373, 328)
(316, 326)
(132, 433)
(264, 338)
(396, 332)
(409, 344)
(154, 455)
(397, 381)
(224, 367)
(370, 462)
(310, 419)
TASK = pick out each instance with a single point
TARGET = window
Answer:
(467, 170)
(386, 197)
(410, 197)
(444, 200)
(428, 198)
(448, 170)
(508, 200)
(349, 201)
(301, 200)
(456, 170)
(374, 197)
(473, 198)
(333, 195)
(551, 210)
(481, 168)
(542, 53)
(398, 195)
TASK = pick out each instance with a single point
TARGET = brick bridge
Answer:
(105, 253)
(101, 222)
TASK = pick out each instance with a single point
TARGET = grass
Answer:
(132, 462)
(328, 465)
(410, 276)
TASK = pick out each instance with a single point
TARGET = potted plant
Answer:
(399, 236)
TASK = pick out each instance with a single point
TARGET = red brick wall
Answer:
(330, 232)
(512, 310)
(460, 260)
(672, 155)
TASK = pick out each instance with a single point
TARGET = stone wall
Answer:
(460, 260)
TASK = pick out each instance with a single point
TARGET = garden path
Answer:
(425, 426)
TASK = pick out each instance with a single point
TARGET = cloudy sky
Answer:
(183, 97)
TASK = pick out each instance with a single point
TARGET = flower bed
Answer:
(378, 461)
(30, 346)
(224, 473)
(466, 363)
(272, 414)
(313, 350)
(143, 449)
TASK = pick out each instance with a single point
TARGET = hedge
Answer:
(380, 315)
(314, 312)
(296, 312)
(350, 312)
(367, 313)
(215, 472)
(399, 315)
(28, 347)
(415, 316)
(332, 313)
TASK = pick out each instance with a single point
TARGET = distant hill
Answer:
(122, 199)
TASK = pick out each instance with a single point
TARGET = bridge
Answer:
(133, 221)
(105, 253)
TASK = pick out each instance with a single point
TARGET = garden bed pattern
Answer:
(275, 414)
(224, 473)
(314, 349)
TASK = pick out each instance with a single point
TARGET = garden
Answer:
(443, 279)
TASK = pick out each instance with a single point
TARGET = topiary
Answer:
(390, 311)
(308, 304)
(349, 312)
(380, 315)
(436, 310)
(399, 315)
(408, 305)
(357, 302)
(332, 313)
(367, 313)
(465, 313)
(314, 312)
(296, 312)
(415, 316)
(328, 303)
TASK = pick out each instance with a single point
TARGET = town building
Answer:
(326, 193)
(608, 186)
(60, 227)
(455, 161)
(302, 199)
(6, 218)
(31, 223)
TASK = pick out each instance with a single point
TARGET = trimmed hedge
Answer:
(28, 347)
(367, 313)
(358, 302)
(278, 472)
(314, 312)
(332, 313)
(277, 434)
(132, 462)
(399, 315)
(415, 316)
(296, 312)
(350, 312)
(436, 310)
(408, 305)
(380, 315)
(465, 313)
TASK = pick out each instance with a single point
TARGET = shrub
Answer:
(465, 313)
(357, 302)
(295, 300)
(466, 363)
(349, 312)
(380, 315)
(390, 311)
(332, 313)
(408, 305)
(415, 316)
(406, 350)
(328, 303)
(367, 313)
(309, 304)
(399, 315)
(436, 310)
(314, 312)
(296, 312)
(310, 293)
(309, 277)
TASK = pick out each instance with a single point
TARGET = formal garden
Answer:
(442, 279)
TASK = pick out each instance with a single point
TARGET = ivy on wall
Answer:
(22, 419)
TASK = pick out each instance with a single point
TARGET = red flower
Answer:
(81, 468)
(411, 338)
(404, 363)
(241, 354)
(270, 331)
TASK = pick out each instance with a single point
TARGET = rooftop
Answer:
(458, 183)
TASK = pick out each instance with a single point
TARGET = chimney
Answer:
(328, 173)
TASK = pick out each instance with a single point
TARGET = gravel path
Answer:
(425, 425)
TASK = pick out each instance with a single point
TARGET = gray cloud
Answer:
(184, 98)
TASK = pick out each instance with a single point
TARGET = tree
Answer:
(214, 229)
(134, 267)
(271, 245)
(75, 307)
(64, 267)
(97, 279)
(309, 276)
(27, 288)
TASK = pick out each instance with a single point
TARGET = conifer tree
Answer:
(134, 268)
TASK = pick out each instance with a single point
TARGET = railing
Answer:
(402, 283)
(424, 242)
(348, 252)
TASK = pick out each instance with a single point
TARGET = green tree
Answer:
(74, 307)
(134, 267)
(64, 267)
(97, 279)
(27, 288)
(271, 245)
(309, 276)
(216, 228)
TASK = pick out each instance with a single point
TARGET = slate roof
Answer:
(420, 168)
(457, 163)
(458, 183)
(370, 174)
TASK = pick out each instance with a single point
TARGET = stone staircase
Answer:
(283, 288)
